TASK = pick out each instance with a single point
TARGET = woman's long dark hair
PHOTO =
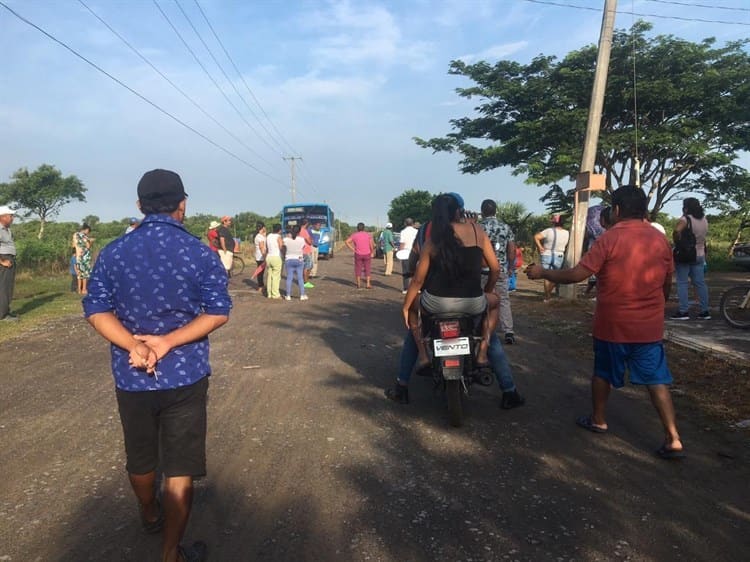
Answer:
(691, 206)
(295, 232)
(447, 245)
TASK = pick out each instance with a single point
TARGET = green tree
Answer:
(42, 192)
(693, 116)
(412, 203)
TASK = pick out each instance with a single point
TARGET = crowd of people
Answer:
(455, 262)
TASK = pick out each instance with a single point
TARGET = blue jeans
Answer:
(694, 271)
(495, 354)
(292, 267)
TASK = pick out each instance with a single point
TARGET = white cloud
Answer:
(495, 52)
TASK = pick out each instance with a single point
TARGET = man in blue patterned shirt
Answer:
(156, 294)
(501, 236)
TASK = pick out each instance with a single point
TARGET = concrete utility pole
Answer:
(578, 228)
(292, 159)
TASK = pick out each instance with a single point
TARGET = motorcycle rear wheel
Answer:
(455, 408)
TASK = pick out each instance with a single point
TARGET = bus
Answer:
(293, 214)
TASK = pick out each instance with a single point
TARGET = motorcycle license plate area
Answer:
(453, 346)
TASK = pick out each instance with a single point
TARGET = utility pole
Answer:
(292, 159)
(581, 207)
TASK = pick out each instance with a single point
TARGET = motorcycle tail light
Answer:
(450, 329)
(448, 363)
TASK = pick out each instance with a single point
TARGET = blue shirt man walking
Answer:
(155, 295)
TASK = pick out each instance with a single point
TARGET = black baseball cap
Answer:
(161, 187)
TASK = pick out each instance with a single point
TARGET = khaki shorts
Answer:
(226, 258)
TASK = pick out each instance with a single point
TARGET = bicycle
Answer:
(735, 306)
(238, 266)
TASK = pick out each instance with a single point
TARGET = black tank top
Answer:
(469, 282)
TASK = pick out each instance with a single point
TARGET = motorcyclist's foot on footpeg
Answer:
(398, 393)
(512, 400)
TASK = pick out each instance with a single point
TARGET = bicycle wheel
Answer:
(238, 266)
(735, 306)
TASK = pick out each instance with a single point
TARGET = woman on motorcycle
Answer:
(449, 274)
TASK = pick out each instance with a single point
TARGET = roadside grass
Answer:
(38, 299)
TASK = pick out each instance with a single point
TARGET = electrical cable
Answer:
(679, 18)
(221, 68)
(175, 86)
(242, 78)
(136, 93)
(205, 70)
(691, 5)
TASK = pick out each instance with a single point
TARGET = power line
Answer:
(221, 68)
(680, 18)
(175, 86)
(712, 7)
(239, 74)
(136, 93)
(205, 70)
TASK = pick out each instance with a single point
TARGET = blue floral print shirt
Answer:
(156, 279)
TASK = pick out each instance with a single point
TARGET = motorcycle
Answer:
(452, 340)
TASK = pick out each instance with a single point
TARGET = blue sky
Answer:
(343, 84)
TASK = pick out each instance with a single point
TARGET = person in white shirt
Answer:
(406, 241)
(551, 243)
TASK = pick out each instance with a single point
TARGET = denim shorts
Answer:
(646, 363)
(547, 263)
(308, 261)
(165, 428)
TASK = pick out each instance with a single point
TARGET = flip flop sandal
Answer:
(586, 423)
(668, 454)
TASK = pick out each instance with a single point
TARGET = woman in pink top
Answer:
(363, 246)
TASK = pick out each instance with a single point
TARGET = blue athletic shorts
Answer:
(646, 363)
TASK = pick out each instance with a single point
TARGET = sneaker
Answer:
(9, 318)
(510, 339)
(197, 552)
(309, 285)
(303, 298)
(512, 400)
(287, 298)
(399, 393)
(705, 315)
(680, 316)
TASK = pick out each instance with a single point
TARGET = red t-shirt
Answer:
(213, 240)
(631, 262)
(308, 241)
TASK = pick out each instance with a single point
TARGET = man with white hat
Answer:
(7, 263)
(388, 247)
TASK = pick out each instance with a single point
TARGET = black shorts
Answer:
(165, 428)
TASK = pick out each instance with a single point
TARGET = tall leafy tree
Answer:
(412, 203)
(42, 192)
(692, 119)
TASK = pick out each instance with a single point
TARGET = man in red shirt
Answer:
(633, 267)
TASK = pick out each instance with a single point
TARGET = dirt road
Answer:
(309, 462)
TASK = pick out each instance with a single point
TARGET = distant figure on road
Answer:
(406, 239)
(307, 253)
(156, 294)
(213, 235)
(294, 247)
(692, 211)
(7, 263)
(259, 243)
(503, 241)
(226, 243)
(132, 225)
(551, 243)
(82, 242)
(633, 266)
(315, 234)
(388, 248)
(274, 264)
(363, 246)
